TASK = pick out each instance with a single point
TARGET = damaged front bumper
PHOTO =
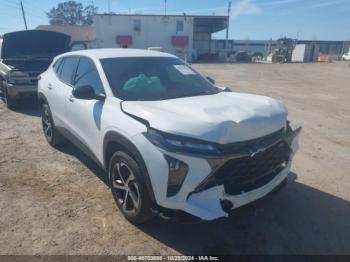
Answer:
(215, 202)
(215, 185)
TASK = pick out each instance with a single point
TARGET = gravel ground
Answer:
(57, 202)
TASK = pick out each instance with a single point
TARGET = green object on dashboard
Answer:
(144, 84)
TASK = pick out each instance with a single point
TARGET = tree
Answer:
(71, 13)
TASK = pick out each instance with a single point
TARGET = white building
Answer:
(185, 36)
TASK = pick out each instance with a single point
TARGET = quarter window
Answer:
(56, 65)
(59, 69)
(68, 68)
(88, 75)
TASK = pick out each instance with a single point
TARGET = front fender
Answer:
(113, 136)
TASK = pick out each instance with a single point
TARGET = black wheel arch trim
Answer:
(115, 137)
(42, 97)
(43, 100)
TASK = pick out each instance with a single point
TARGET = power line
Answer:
(9, 5)
(9, 2)
(34, 6)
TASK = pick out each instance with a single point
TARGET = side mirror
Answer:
(211, 80)
(86, 92)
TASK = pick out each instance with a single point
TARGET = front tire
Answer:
(11, 102)
(129, 188)
(53, 137)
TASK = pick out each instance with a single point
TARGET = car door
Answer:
(85, 115)
(60, 89)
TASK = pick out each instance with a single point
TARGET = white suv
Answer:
(171, 142)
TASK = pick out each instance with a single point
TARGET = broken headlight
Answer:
(181, 144)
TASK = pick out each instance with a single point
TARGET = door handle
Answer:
(49, 86)
(71, 98)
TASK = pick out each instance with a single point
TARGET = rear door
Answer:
(84, 116)
(60, 89)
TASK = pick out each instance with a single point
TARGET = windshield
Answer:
(154, 78)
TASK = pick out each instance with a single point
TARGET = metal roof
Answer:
(170, 15)
(212, 22)
(77, 33)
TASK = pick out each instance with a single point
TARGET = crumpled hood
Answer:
(225, 117)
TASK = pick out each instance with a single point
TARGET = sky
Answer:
(249, 19)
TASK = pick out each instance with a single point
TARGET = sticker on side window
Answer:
(184, 69)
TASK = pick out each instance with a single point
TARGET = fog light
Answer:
(176, 176)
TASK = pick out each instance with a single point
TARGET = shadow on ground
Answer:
(27, 106)
(296, 220)
(70, 149)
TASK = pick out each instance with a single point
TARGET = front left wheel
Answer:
(129, 189)
(11, 102)
(53, 137)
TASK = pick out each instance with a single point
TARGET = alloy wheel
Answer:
(125, 188)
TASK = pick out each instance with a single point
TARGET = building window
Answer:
(179, 26)
(137, 25)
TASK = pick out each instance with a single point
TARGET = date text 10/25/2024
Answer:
(173, 258)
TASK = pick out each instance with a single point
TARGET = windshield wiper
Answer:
(201, 93)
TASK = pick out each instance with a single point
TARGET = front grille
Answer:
(32, 78)
(261, 142)
(34, 74)
(248, 173)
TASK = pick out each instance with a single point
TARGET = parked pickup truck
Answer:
(24, 56)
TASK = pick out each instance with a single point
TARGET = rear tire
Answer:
(53, 137)
(129, 188)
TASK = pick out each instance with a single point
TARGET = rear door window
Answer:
(68, 69)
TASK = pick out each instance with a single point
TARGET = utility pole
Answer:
(227, 26)
(24, 16)
(164, 7)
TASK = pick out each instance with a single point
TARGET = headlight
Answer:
(17, 76)
(180, 144)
